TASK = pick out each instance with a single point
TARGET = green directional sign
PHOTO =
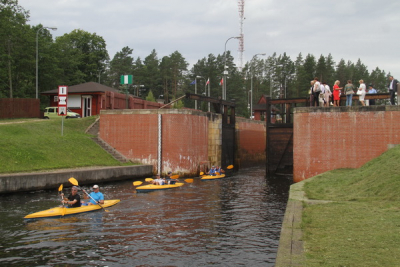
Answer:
(126, 79)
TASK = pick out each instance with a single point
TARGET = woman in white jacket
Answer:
(327, 94)
(362, 90)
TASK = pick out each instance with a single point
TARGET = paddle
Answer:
(73, 181)
(201, 173)
(148, 179)
(62, 199)
(60, 190)
(137, 183)
(230, 167)
(189, 180)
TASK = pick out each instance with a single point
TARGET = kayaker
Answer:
(218, 170)
(73, 200)
(97, 196)
(158, 180)
(212, 171)
(169, 180)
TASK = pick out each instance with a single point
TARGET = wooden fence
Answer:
(12, 108)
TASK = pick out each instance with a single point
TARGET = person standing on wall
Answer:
(392, 89)
(371, 91)
(336, 94)
(349, 91)
(316, 91)
(327, 94)
(310, 92)
(361, 92)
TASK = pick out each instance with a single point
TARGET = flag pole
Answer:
(209, 95)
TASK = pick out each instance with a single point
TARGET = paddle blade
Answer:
(60, 188)
(217, 173)
(73, 181)
(137, 183)
(230, 167)
(189, 180)
(148, 179)
(201, 173)
(174, 176)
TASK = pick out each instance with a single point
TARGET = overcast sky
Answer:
(348, 29)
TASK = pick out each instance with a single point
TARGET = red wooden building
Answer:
(89, 98)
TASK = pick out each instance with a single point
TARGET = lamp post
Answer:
(195, 89)
(37, 57)
(100, 71)
(225, 69)
(283, 70)
(251, 84)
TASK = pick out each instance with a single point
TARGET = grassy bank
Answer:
(36, 145)
(361, 224)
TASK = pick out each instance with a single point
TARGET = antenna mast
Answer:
(241, 40)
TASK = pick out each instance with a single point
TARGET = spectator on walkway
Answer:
(321, 95)
(310, 92)
(336, 93)
(361, 92)
(316, 90)
(392, 86)
(371, 90)
(327, 94)
(349, 92)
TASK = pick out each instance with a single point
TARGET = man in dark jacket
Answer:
(73, 200)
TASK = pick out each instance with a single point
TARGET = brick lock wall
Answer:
(191, 140)
(185, 142)
(344, 137)
(251, 142)
(134, 133)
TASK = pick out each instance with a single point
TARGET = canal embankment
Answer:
(344, 217)
(30, 181)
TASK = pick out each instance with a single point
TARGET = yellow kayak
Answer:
(211, 177)
(61, 211)
(152, 187)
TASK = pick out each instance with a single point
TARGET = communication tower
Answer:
(241, 40)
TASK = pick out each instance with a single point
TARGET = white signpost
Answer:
(62, 104)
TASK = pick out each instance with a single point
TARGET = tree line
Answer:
(79, 57)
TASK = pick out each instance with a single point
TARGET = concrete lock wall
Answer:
(341, 137)
(19, 182)
(190, 139)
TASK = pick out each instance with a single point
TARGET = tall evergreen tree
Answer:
(16, 50)
(121, 64)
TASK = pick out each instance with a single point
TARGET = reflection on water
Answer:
(227, 222)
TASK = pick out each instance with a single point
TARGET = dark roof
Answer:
(90, 87)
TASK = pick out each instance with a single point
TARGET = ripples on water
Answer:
(234, 221)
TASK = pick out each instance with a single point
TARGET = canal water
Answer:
(235, 221)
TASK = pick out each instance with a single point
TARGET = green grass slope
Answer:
(361, 224)
(37, 145)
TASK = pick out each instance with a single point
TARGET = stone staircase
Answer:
(94, 130)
